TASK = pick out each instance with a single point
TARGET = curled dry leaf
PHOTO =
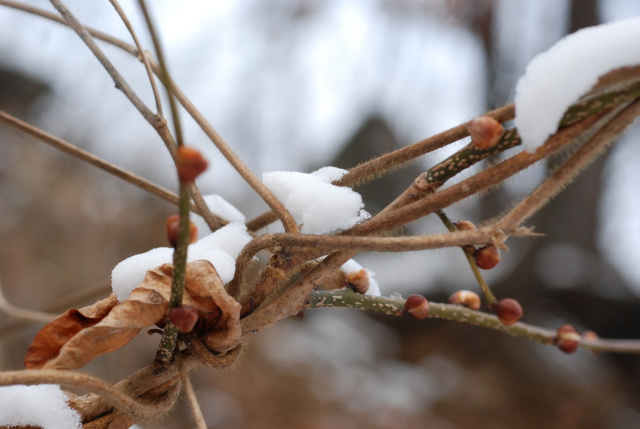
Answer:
(78, 336)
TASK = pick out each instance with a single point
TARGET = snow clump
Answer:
(43, 405)
(314, 202)
(556, 79)
(220, 248)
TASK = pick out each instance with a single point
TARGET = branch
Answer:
(110, 393)
(457, 313)
(91, 159)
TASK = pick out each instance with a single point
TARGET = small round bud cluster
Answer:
(467, 298)
(485, 132)
(173, 226)
(567, 338)
(358, 281)
(487, 256)
(417, 306)
(508, 311)
(184, 318)
(190, 163)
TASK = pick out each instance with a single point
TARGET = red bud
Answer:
(567, 338)
(485, 132)
(173, 225)
(190, 163)
(487, 257)
(417, 306)
(508, 311)
(184, 317)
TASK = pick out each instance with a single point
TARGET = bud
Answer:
(358, 281)
(417, 306)
(485, 132)
(184, 317)
(467, 298)
(487, 256)
(508, 311)
(465, 225)
(567, 338)
(173, 225)
(190, 163)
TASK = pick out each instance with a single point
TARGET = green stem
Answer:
(346, 298)
(164, 354)
(468, 252)
(458, 313)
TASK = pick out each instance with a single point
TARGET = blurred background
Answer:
(296, 85)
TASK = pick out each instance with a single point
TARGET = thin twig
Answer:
(23, 313)
(191, 397)
(621, 118)
(396, 159)
(474, 184)
(392, 306)
(89, 158)
(168, 342)
(120, 82)
(142, 56)
(469, 254)
(110, 393)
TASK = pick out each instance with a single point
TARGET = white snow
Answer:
(220, 248)
(351, 265)
(223, 208)
(559, 77)
(42, 405)
(314, 202)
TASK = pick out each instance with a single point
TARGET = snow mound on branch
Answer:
(220, 248)
(556, 79)
(314, 202)
(42, 405)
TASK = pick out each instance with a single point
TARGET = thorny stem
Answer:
(468, 253)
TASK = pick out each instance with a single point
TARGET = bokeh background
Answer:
(296, 85)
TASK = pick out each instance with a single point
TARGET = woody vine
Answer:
(204, 321)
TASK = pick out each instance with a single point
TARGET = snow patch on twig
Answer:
(314, 202)
(43, 405)
(556, 79)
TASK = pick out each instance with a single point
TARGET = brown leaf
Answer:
(47, 343)
(77, 337)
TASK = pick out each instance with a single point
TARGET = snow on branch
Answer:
(43, 405)
(556, 79)
(314, 202)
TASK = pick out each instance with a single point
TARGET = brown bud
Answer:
(487, 256)
(467, 298)
(417, 306)
(184, 317)
(485, 132)
(567, 338)
(465, 225)
(508, 311)
(190, 163)
(358, 281)
(173, 225)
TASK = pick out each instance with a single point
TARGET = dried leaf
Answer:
(77, 337)
(47, 343)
